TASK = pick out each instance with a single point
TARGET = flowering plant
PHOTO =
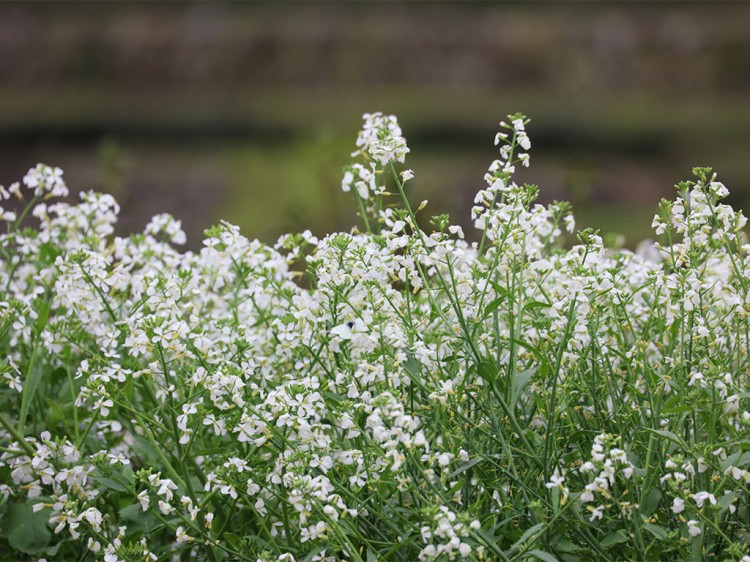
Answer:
(392, 393)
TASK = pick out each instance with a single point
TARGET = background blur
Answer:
(249, 111)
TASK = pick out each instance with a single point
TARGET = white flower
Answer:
(144, 500)
(346, 330)
(43, 179)
(346, 182)
(14, 381)
(597, 513)
(693, 528)
(182, 537)
(570, 224)
(588, 494)
(381, 138)
(115, 458)
(701, 497)
(556, 480)
(444, 459)
(94, 518)
(103, 405)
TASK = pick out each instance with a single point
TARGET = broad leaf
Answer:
(25, 530)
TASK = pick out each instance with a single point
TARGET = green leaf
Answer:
(234, 540)
(528, 347)
(502, 291)
(144, 449)
(657, 530)
(25, 530)
(334, 397)
(564, 545)
(536, 304)
(465, 467)
(110, 483)
(138, 520)
(487, 370)
(530, 532)
(42, 309)
(726, 500)
(30, 386)
(671, 436)
(521, 381)
(540, 555)
(676, 405)
(52, 550)
(493, 306)
(119, 480)
(132, 512)
(615, 537)
(650, 502)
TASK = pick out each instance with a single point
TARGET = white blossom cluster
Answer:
(381, 139)
(397, 392)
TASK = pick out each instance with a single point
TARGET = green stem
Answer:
(20, 439)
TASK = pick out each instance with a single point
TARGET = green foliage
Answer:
(25, 529)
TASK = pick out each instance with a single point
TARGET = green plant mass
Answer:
(392, 393)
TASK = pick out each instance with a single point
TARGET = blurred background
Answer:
(248, 112)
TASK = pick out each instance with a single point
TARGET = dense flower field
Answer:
(393, 393)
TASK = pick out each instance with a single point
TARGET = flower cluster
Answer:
(381, 139)
(396, 392)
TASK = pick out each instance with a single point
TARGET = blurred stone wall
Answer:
(662, 47)
(183, 107)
